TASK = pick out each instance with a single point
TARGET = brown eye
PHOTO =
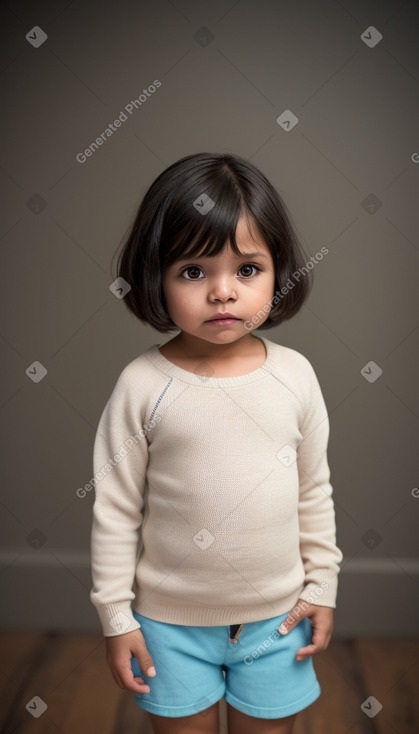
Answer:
(248, 266)
(194, 268)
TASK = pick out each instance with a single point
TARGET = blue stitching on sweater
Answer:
(161, 395)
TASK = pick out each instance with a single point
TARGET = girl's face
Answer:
(196, 289)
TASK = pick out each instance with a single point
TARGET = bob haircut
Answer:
(168, 227)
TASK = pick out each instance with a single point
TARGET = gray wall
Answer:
(348, 171)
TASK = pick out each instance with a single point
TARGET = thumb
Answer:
(145, 661)
(292, 619)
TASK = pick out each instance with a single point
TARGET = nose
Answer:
(222, 288)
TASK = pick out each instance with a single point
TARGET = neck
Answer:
(192, 347)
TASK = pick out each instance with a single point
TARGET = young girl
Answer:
(212, 452)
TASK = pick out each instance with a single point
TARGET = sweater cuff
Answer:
(322, 594)
(117, 619)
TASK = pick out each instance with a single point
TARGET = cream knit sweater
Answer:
(212, 496)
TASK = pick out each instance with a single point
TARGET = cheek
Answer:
(269, 283)
(170, 291)
(266, 285)
(178, 300)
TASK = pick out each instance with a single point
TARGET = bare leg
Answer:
(206, 722)
(239, 723)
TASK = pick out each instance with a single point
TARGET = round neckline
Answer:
(202, 380)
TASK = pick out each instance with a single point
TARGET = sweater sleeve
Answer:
(120, 458)
(319, 553)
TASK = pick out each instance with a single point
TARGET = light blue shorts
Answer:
(253, 667)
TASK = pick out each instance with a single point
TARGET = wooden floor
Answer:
(69, 673)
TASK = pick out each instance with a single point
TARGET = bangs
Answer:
(204, 235)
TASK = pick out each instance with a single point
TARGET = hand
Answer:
(119, 651)
(321, 619)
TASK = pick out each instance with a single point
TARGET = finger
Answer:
(118, 680)
(129, 681)
(145, 662)
(141, 685)
(290, 621)
(319, 643)
(305, 652)
(319, 638)
(136, 685)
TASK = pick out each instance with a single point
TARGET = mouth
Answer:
(223, 321)
(225, 315)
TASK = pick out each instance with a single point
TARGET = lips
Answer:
(220, 316)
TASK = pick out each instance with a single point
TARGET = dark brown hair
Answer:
(167, 227)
